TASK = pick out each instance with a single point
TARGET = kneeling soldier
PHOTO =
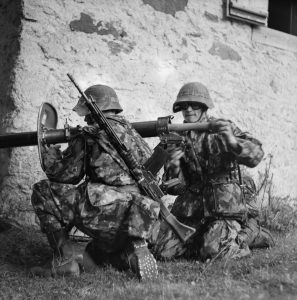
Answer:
(90, 187)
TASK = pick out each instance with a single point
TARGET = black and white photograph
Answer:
(148, 149)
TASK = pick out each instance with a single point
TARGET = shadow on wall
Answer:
(10, 28)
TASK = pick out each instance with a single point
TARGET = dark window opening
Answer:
(283, 15)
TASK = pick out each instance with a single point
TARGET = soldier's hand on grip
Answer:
(224, 128)
(52, 153)
(220, 126)
(175, 154)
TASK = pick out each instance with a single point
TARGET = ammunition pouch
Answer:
(224, 199)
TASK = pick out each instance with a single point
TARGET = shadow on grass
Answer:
(21, 247)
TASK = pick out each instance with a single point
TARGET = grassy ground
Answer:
(266, 274)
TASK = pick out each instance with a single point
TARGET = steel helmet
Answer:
(194, 92)
(104, 96)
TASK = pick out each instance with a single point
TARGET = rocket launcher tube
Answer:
(55, 136)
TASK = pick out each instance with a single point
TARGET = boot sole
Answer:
(147, 268)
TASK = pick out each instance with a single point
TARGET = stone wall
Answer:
(146, 50)
(10, 29)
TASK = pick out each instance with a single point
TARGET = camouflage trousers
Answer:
(110, 215)
(218, 238)
(214, 237)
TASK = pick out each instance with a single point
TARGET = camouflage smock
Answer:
(212, 199)
(209, 171)
(90, 187)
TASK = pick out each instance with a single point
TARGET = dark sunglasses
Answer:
(184, 106)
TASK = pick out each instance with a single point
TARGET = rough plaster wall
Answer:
(10, 25)
(146, 50)
(10, 28)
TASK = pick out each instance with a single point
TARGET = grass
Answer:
(266, 274)
(280, 215)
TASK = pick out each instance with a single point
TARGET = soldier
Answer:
(210, 191)
(90, 187)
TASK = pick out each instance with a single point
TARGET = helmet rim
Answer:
(105, 97)
(193, 92)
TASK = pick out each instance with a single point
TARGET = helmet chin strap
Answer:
(202, 115)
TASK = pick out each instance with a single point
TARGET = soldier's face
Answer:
(192, 114)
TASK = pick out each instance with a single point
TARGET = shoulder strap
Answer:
(101, 140)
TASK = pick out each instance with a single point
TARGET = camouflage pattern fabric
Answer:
(220, 240)
(254, 235)
(108, 205)
(208, 170)
(224, 199)
(91, 153)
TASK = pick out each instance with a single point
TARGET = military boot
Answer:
(66, 259)
(136, 257)
(141, 260)
(94, 257)
(255, 236)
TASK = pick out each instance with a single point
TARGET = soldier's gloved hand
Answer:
(175, 153)
(53, 152)
(50, 154)
(220, 126)
(224, 128)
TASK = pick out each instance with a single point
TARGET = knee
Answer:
(167, 246)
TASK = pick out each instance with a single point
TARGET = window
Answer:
(249, 11)
(283, 15)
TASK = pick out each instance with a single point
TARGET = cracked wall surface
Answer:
(146, 50)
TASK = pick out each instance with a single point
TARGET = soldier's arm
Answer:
(67, 166)
(241, 145)
(173, 179)
(250, 149)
